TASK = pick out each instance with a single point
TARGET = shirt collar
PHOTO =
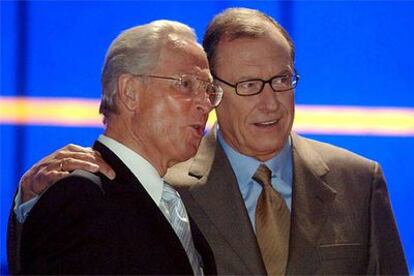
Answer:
(146, 173)
(244, 166)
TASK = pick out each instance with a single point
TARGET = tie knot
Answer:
(263, 175)
(169, 193)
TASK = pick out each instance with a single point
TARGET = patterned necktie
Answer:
(178, 219)
(272, 224)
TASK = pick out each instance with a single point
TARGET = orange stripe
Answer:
(50, 111)
(349, 120)
(336, 120)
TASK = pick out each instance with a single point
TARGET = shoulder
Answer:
(65, 226)
(333, 156)
(338, 166)
(350, 174)
(78, 184)
(196, 169)
(78, 194)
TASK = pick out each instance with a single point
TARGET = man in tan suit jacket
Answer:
(341, 220)
(341, 217)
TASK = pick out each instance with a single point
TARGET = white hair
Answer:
(136, 51)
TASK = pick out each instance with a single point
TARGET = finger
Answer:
(62, 151)
(76, 148)
(40, 182)
(25, 185)
(28, 175)
(71, 164)
(90, 157)
(44, 179)
(48, 170)
(105, 169)
(69, 151)
(92, 164)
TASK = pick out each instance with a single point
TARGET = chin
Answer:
(187, 153)
(271, 150)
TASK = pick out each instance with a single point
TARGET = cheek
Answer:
(290, 106)
(233, 116)
(289, 103)
(172, 111)
(177, 116)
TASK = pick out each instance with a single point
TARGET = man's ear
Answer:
(128, 91)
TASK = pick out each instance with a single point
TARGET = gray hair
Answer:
(236, 23)
(136, 51)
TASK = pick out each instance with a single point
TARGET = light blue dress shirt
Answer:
(22, 210)
(244, 168)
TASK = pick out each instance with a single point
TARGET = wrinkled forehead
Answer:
(270, 48)
(270, 43)
(183, 56)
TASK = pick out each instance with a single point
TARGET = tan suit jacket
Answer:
(341, 219)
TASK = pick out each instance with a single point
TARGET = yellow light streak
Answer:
(333, 120)
(50, 111)
(351, 120)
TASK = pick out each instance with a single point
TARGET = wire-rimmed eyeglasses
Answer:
(280, 83)
(190, 85)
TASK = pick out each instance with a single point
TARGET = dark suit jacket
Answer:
(341, 218)
(87, 224)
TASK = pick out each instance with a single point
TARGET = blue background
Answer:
(348, 53)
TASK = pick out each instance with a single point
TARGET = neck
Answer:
(121, 131)
(259, 156)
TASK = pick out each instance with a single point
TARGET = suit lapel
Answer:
(217, 194)
(194, 171)
(128, 186)
(204, 249)
(311, 201)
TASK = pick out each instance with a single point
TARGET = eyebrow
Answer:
(249, 77)
(207, 78)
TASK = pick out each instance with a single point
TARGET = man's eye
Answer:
(209, 88)
(248, 84)
(186, 84)
(281, 80)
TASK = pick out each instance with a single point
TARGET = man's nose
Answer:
(203, 102)
(269, 97)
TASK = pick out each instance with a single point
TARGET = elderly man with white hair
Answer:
(157, 93)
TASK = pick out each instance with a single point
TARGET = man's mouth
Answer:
(269, 123)
(199, 128)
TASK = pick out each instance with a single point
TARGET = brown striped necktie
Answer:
(272, 224)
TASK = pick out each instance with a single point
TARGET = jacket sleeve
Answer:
(13, 242)
(65, 231)
(386, 254)
(21, 210)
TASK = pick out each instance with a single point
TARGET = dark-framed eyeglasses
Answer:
(280, 83)
(191, 85)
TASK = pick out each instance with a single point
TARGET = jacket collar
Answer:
(210, 176)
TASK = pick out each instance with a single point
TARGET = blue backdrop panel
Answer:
(348, 53)
(356, 52)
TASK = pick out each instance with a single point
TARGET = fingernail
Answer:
(112, 175)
